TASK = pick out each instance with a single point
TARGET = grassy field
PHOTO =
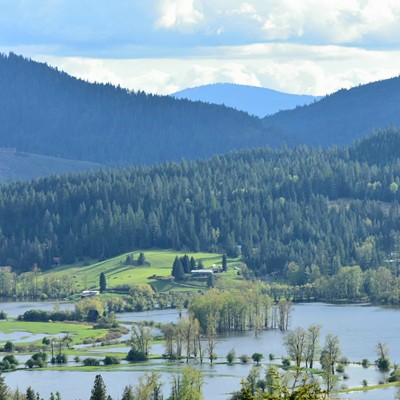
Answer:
(159, 264)
(79, 333)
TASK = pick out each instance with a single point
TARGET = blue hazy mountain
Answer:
(252, 99)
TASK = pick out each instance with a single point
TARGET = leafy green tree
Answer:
(279, 386)
(140, 342)
(188, 385)
(103, 282)
(252, 379)
(91, 362)
(331, 351)
(244, 358)
(312, 344)
(149, 387)
(99, 391)
(257, 357)
(231, 356)
(329, 357)
(295, 343)
(394, 188)
(110, 360)
(383, 361)
(9, 347)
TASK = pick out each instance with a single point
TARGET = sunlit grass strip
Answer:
(77, 332)
(117, 273)
(367, 388)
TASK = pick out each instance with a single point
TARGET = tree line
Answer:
(308, 206)
(47, 111)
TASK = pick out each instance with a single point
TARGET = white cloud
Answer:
(232, 72)
(304, 46)
(243, 9)
(290, 68)
(178, 14)
(310, 21)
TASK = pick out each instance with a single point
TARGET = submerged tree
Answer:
(383, 361)
(278, 386)
(140, 341)
(312, 344)
(295, 343)
(329, 357)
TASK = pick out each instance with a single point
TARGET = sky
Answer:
(163, 46)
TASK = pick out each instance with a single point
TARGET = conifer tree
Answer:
(4, 390)
(99, 389)
(177, 269)
(224, 263)
(103, 282)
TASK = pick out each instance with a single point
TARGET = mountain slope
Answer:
(45, 111)
(254, 100)
(306, 205)
(20, 166)
(342, 117)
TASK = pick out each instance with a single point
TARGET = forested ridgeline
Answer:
(46, 111)
(310, 206)
(343, 116)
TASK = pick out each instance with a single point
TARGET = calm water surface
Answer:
(15, 308)
(359, 328)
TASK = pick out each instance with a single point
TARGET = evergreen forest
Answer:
(314, 207)
(341, 117)
(46, 111)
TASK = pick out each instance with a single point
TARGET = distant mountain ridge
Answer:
(254, 100)
(48, 112)
(342, 117)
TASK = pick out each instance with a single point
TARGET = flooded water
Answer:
(359, 327)
(15, 308)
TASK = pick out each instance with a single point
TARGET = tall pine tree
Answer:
(99, 391)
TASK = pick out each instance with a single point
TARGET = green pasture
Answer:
(77, 332)
(158, 263)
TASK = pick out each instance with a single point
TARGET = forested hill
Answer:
(342, 117)
(45, 111)
(316, 207)
(16, 165)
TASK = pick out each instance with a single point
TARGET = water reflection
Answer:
(358, 327)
